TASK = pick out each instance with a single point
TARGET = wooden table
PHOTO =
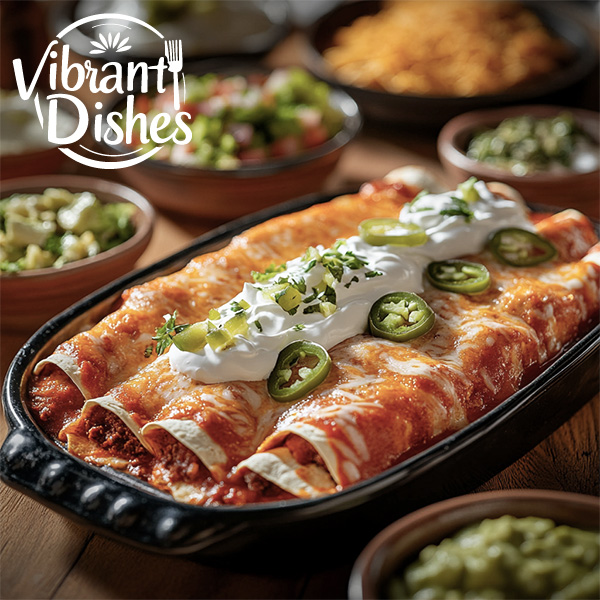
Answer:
(44, 555)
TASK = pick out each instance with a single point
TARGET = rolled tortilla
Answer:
(384, 400)
(113, 350)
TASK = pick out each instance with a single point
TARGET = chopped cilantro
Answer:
(237, 307)
(164, 334)
(313, 308)
(334, 261)
(53, 244)
(269, 272)
(458, 208)
(310, 265)
(353, 280)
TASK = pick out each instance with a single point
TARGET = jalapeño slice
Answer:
(458, 276)
(379, 232)
(400, 316)
(520, 248)
(300, 368)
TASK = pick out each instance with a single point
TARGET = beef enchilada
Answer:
(319, 348)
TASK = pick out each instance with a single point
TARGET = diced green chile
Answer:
(192, 338)
(458, 276)
(400, 316)
(301, 367)
(521, 248)
(379, 232)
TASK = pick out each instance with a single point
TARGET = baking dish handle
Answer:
(71, 487)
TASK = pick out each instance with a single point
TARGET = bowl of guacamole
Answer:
(517, 544)
(61, 238)
(244, 138)
(550, 154)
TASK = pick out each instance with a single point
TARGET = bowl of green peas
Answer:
(256, 138)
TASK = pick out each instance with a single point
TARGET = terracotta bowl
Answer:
(36, 162)
(403, 540)
(575, 190)
(30, 298)
(220, 194)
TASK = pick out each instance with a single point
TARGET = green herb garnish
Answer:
(238, 307)
(458, 208)
(269, 272)
(353, 280)
(164, 334)
(411, 204)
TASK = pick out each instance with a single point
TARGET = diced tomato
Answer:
(256, 78)
(142, 104)
(314, 136)
(287, 146)
(190, 108)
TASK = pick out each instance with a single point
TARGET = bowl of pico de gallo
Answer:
(253, 138)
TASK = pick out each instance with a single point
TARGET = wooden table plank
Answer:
(38, 547)
(567, 460)
(108, 569)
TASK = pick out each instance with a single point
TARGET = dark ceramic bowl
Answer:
(401, 542)
(310, 531)
(30, 298)
(431, 112)
(222, 194)
(238, 28)
(570, 189)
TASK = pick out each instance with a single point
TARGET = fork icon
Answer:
(174, 57)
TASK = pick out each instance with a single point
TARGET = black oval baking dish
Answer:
(133, 512)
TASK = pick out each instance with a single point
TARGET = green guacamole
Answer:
(524, 145)
(59, 227)
(505, 558)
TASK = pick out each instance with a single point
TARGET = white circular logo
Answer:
(115, 129)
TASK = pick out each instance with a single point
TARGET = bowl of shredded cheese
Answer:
(421, 63)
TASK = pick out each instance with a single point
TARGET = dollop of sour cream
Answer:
(454, 228)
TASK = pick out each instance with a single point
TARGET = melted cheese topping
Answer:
(385, 269)
(380, 400)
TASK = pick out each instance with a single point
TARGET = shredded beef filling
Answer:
(54, 399)
(110, 433)
(302, 451)
(174, 462)
(261, 490)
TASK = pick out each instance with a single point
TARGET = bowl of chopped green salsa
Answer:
(506, 544)
(62, 237)
(256, 138)
(551, 154)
